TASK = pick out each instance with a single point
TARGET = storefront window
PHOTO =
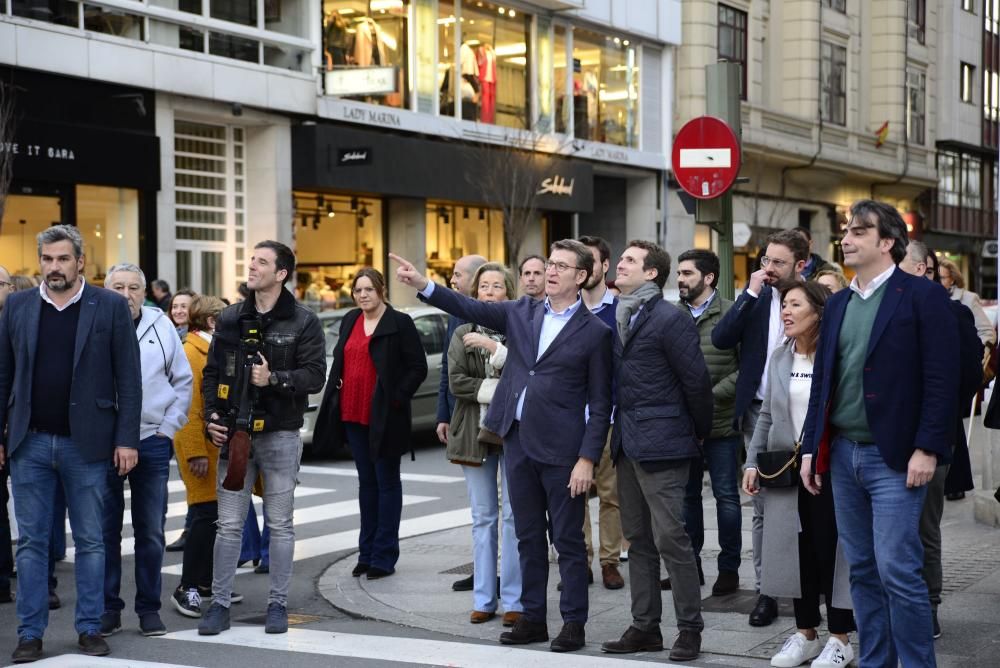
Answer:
(493, 63)
(447, 29)
(365, 50)
(605, 88)
(62, 12)
(335, 235)
(108, 219)
(561, 68)
(455, 230)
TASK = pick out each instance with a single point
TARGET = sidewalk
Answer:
(419, 595)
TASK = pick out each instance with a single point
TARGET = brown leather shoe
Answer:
(478, 616)
(612, 578)
(510, 618)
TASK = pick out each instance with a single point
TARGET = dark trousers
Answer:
(380, 497)
(6, 551)
(539, 494)
(930, 534)
(199, 546)
(256, 544)
(817, 558)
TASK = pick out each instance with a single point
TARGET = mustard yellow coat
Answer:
(190, 441)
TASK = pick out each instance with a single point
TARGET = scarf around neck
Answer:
(629, 305)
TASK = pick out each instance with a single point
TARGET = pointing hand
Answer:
(407, 274)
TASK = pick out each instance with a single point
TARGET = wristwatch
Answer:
(272, 380)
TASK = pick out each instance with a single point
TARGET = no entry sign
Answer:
(706, 157)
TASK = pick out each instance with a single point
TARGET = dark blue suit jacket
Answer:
(574, 372)
(911, 373)
(745, 325)
(446, 400)
(106, 394)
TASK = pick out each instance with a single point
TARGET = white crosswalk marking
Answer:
(402, 650)
(405, 477)
(179, 508)
(311, 547)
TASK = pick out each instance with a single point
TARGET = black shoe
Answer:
(937, 625)
(359, 569)
(6, 596)
(92, 644)
(28, 650)
(178, 545)
(686, 647)
(634, 640)
(151, 625)
(465, 584)
(378, 573)
(590, 580)
(570, 638)
(262, 569)
(764, 612)
(525, 632)
(54, 602)
(665, 582)
(726, 583)
(957, 496)
(111, 623)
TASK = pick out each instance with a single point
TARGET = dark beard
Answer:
(694, 292)
(593, 282)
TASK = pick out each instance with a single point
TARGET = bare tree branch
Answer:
(7, 122)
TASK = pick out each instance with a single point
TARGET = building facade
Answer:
(179, 132)
(840, 102)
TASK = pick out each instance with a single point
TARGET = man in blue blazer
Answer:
(70, 404)
(754, 325)
(881, 418)
(558, 366)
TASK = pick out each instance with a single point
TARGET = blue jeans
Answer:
(256, 544)
(878, 520)
(720, 453)
(481, 481)
(380, 498)
(148, 482)
(39, 462)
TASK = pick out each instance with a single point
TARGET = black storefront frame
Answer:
(106, 137)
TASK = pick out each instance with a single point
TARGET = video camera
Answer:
(240, 441)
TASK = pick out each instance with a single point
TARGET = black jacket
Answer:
(664, 389)
(746, 325)
(295, 350)
(400, 368)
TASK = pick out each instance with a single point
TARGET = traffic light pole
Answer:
(722, 82)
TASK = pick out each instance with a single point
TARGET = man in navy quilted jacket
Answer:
(663, 413)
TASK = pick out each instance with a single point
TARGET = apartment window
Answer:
(834, 73)
(733, 41)
(948, 181)
(990, 16)
(991, 95)
(969, 6)
(916, 106)
(839, 5)
(972, 183)
(605, 88)
(966, 73)
(916, 14)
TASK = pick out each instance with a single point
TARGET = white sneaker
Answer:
(797, 650)
(835, 655)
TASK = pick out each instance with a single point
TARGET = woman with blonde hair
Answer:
(197, 461)
(951, 278)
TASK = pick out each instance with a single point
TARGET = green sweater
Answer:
(847, 415)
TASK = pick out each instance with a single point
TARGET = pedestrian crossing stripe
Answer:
(403, 650)
(405, 477)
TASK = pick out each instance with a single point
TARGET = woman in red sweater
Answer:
(378, 365)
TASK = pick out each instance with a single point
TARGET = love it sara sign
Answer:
(706, 158)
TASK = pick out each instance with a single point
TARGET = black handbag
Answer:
(779, 468)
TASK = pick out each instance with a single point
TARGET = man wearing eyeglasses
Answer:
(558, 364)
(754, 324)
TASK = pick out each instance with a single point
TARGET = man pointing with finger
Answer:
(70, 404)
(881, 418)
(558, 365)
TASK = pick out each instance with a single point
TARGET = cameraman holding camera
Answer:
(267, 356)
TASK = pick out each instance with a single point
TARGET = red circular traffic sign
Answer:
(706, 157)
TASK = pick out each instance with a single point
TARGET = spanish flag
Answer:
(882, 134)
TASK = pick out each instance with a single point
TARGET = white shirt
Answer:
(45, 296)
(799, 385)
(873, 285)
(775, 334)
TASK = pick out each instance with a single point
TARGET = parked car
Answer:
(432, 325)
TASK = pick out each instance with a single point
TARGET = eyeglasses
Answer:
(767, 261)
(560, 267)
(6, 284)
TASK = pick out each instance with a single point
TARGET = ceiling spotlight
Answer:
(482, 215)
(329, 211)
(316, 222)
(354, 204)
(319, 201)
(305, 220)
(465, 213)
(364, 213)
(510, 13)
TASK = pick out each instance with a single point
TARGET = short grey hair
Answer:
(917, 251)
(58, 233)
(125, 267)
